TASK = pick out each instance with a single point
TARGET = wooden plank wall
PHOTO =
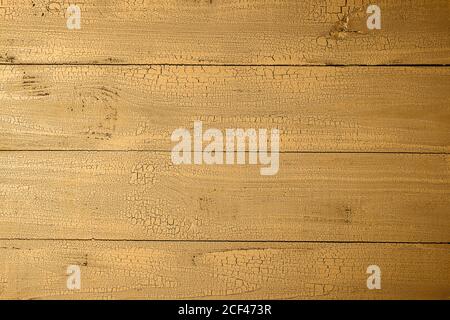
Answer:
(86, 176)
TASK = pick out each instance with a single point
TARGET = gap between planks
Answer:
(247, 151)
(228, 65)
(226, 241)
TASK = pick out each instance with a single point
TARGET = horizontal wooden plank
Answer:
(226, 32)
(316, 109)
(164, 270)
(142, 195)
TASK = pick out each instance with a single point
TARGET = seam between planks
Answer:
(226, 241)
(228, 65)
(280, 152)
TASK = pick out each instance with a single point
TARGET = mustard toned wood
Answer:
(225, 32)
(142, 195)
(327, 109)
(198, 270)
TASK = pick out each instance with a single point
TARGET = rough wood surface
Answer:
(225, 32)
(141, 195)
(85, 171)
(372, 109)
(158, 270)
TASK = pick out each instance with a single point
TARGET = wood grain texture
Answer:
(164, 270)
(372, 109)
(142, 195)
(86, 176)
(226, 32)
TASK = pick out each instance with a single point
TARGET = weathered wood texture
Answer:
(316, 109)
(161, 270)
(142, 195)
(226, 32)
(365, 150)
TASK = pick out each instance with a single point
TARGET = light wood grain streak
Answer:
(109, 270)
(231, 32)
(141, 195)
(316, 109)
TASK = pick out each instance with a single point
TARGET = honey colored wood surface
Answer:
(142, 195)
(375, 109)
(86, 176)
(225, 32)
(161, 270)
